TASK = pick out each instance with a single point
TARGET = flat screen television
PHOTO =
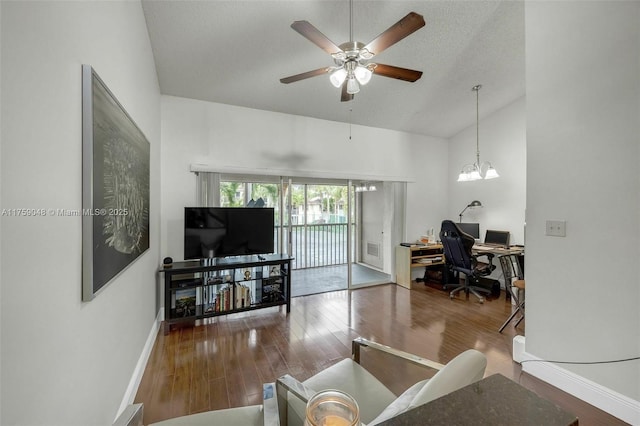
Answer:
(227, 231)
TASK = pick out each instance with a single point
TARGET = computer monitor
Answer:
(472, 229)
(499, 238)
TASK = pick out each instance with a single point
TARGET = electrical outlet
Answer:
(556, 228)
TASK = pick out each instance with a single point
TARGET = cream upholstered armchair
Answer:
(376, 402)
(253, 415)
(284, 402)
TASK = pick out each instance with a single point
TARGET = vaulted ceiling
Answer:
(235, 52)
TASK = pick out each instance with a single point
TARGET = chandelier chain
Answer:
(477, 90)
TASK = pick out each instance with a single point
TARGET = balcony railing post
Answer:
(319, 244)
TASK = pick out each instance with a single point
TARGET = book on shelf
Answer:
(243, 296)
(222, 300)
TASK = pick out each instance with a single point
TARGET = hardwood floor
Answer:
(223, 362)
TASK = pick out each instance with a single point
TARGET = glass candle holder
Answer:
(332, 408)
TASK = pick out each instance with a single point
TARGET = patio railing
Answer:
(321, 244)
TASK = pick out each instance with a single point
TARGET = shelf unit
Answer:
(210, 287)
(418, 256)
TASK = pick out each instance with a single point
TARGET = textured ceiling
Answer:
(235, 52)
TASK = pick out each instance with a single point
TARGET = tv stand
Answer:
(211, 287)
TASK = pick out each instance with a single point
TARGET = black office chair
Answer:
(459, 258)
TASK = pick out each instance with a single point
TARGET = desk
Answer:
(494, 400)
(418, 256)
(479, 250)
(498, 251)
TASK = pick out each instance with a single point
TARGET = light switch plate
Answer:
(556, 228)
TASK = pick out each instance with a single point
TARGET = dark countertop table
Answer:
(492, 401)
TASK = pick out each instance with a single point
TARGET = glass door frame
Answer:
(288, 208)
(210, 184)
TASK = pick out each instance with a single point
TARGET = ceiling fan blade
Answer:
(345, 97)
(315, 36)
(407, 25)
(397, 72)
(308, 74)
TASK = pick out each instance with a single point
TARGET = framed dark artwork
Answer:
(115, 186)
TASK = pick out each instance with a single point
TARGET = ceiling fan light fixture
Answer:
(339, 56)
(363, 74)
(365, 54)
(337, 77)
(352, 85)
(352, 57)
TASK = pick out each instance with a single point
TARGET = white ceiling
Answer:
(235, 52)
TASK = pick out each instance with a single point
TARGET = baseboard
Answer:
(607, 400)
(136, 377)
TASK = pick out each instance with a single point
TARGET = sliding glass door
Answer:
(319, 225)
(335, 234)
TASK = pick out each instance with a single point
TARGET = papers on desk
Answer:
(429, 260)
(497, 250)
(483, 247)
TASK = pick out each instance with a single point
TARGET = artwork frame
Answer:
(115, 187)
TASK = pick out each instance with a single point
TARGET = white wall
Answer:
(583, 157)
(1, 204)
(256, 142)
(427, 197)
(65, 362)
(503, 143)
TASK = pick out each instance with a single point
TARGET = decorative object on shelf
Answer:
(274, 272)
(352, 67)
(477, 170)
(185, 302)
(115, 186)
(332, 407)
(473, 204)
(273, 289)
(167, 262)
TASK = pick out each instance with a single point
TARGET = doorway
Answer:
(372, 228)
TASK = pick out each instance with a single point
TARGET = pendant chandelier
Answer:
(477, 170)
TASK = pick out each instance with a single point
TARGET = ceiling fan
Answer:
(352, 59)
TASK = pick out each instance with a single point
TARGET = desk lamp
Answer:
(474, 203)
